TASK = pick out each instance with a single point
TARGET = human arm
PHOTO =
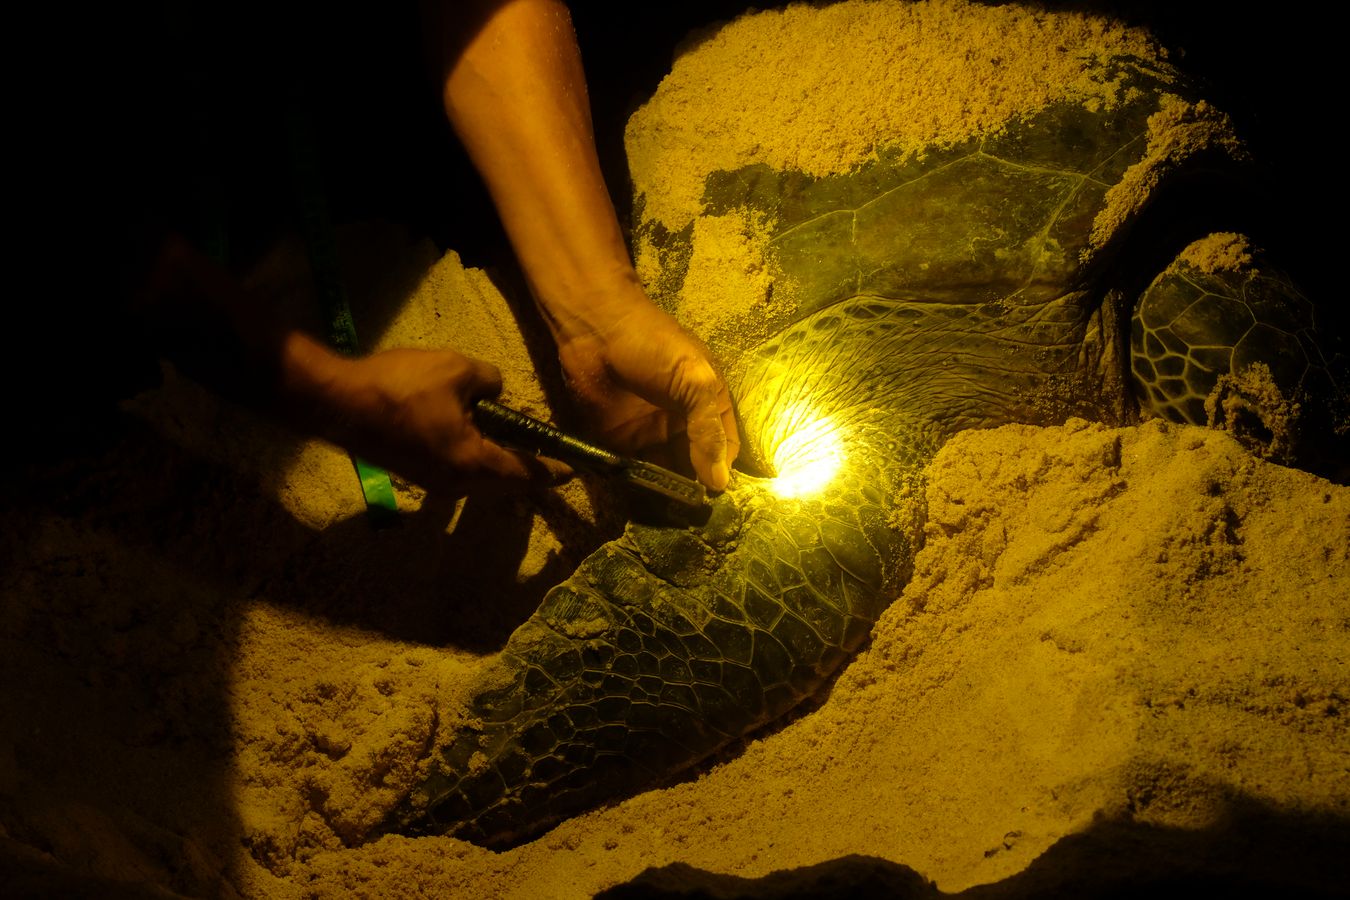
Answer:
(515, 92)
(407, 410)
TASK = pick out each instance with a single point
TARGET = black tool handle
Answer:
(518, 431)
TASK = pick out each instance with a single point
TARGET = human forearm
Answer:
(408, 410)
(515, 92)
(516, 95)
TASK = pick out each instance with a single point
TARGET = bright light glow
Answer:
(808, 456)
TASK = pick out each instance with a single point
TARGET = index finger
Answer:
(713, 438)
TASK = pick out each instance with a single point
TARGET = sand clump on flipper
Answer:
(1220, 251)
(1177, 133)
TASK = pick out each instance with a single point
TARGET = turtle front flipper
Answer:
(1221, 338)
(663, 647)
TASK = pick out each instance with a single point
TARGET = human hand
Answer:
(407, 410)
(410, 411)
(644, 382)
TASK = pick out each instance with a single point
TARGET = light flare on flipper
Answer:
(807, 451)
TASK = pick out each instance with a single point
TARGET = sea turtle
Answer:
(1063, 265)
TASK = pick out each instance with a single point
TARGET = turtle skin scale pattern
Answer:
(666, 645)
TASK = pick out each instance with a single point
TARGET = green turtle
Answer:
(1047, 269)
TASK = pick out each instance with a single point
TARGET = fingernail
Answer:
(720, 475)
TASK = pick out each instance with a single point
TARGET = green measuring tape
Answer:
(323, 260)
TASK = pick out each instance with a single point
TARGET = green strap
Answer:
(377, 488)
(323, 260)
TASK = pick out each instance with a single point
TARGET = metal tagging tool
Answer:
(518, 431)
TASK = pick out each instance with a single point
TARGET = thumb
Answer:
(499, 467)
(484, 380)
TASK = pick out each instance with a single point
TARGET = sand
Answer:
(1118, 644)
(206, 691)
